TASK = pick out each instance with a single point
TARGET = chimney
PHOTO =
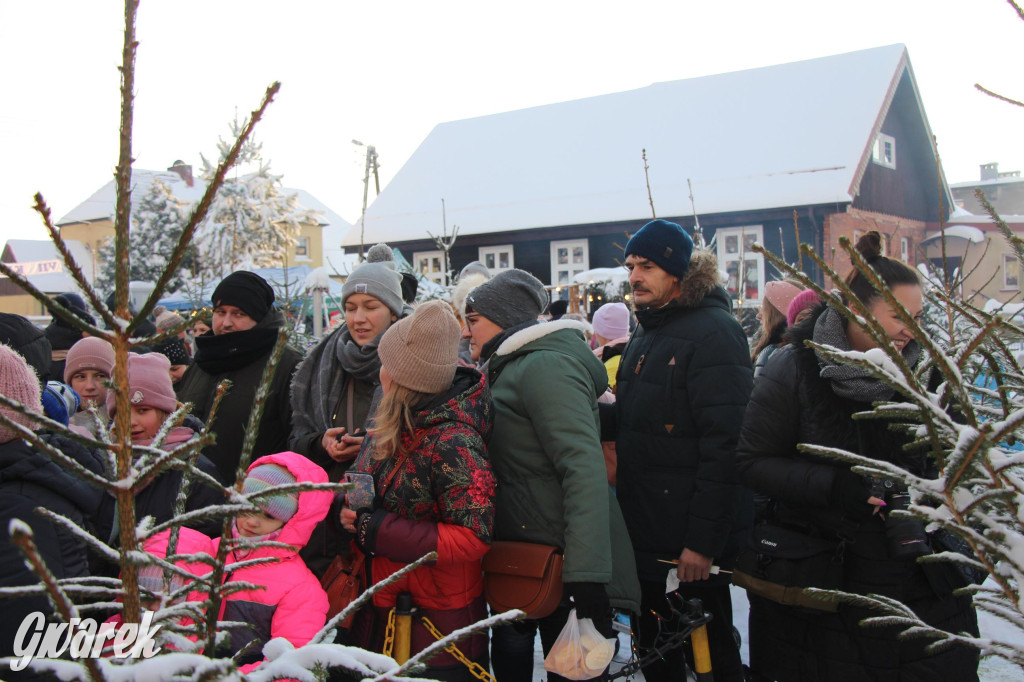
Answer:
(185, 171)
(989, 171)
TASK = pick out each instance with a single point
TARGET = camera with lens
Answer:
(905, 535)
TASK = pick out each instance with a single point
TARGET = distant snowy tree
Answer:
(252, 221)
(157, 223)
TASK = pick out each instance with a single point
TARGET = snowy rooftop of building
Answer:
(792, 134)
(100, 206)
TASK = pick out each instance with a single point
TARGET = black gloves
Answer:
(591, 600)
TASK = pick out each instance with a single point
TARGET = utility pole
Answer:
(371, 163)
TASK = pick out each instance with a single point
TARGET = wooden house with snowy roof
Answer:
(842, 143)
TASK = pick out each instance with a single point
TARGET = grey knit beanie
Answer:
(509, 298)
(376, 277)
(421, 352)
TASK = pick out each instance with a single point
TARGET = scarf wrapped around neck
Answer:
(218, 353)
(850, 381)
(320, 379)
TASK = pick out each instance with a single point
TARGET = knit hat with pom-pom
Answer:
(377, 278)
(60, 401)
(19, 383)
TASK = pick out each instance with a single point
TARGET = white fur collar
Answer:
(537, 331)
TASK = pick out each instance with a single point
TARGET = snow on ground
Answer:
(991, 670)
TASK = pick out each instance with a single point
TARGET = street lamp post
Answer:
(371, 162)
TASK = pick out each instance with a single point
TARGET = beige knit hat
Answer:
(421, 352)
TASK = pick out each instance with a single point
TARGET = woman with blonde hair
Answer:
(433, 488)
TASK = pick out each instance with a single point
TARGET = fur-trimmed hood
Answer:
(700, 280)
(535, 332)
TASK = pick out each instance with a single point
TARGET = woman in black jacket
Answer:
(804, 397)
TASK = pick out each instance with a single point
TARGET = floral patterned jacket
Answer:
(441, 499)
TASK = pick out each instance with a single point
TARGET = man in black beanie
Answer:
(683, 385)
(546, 454)
(238, 348)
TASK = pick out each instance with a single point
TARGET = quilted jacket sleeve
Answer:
(767, 456)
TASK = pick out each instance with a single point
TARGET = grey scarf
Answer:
(320, 379)
(849, 381)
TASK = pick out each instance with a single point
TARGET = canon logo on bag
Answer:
(769, 543)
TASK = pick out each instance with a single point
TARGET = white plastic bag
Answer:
(580, 652)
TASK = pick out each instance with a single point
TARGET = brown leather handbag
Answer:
(343, 582)
(524, 576)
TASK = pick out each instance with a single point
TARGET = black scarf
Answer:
(219, 353)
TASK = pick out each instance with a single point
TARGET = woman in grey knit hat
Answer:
(332, 390)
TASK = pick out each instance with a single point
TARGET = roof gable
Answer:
(792, 134)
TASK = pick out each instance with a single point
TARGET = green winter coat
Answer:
(546, 453)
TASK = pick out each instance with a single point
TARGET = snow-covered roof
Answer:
(57, 279)
(100, 206)
(966, 232)
(1008, 180)
(792, 134)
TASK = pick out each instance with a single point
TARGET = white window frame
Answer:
(571, 268)
(302, 248)
(431, 273)
(724, 258)
(1010, 259)
(883, 151)
(905, 249)
(496, 251)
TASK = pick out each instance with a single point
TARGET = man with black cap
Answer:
(683, 385)
(237, 348)
(545, 451)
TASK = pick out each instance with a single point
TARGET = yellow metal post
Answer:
(403, 627)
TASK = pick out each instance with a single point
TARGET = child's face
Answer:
(90, 386)
(257, 525)
(146, 421)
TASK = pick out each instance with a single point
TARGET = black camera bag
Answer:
(779, 563)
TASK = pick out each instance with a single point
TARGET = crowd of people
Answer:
(647, 445)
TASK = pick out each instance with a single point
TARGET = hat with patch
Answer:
(665, 244)
(149, 384)
(378, 279)
(281, 506)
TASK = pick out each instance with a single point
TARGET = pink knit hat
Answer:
(804, 300)
(421, 352)
(89, 353)
(780, 293)
(17, 382)
(611, 321)
(149, 383)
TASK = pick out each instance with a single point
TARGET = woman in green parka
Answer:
(546, 455)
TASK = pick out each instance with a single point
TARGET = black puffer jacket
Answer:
(682, 387)
(792, 404)
(29, 479)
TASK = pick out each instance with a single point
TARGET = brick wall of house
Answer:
(855, 222)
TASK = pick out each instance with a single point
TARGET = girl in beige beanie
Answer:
(434, 487)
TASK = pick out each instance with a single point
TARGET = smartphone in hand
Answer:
(361, 494)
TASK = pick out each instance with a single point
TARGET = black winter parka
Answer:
(682, 389)
(792, 404)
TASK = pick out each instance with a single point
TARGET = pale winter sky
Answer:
(387, 72)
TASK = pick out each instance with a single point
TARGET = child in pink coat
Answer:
(293, 605)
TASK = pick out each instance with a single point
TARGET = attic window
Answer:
(884, 151)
